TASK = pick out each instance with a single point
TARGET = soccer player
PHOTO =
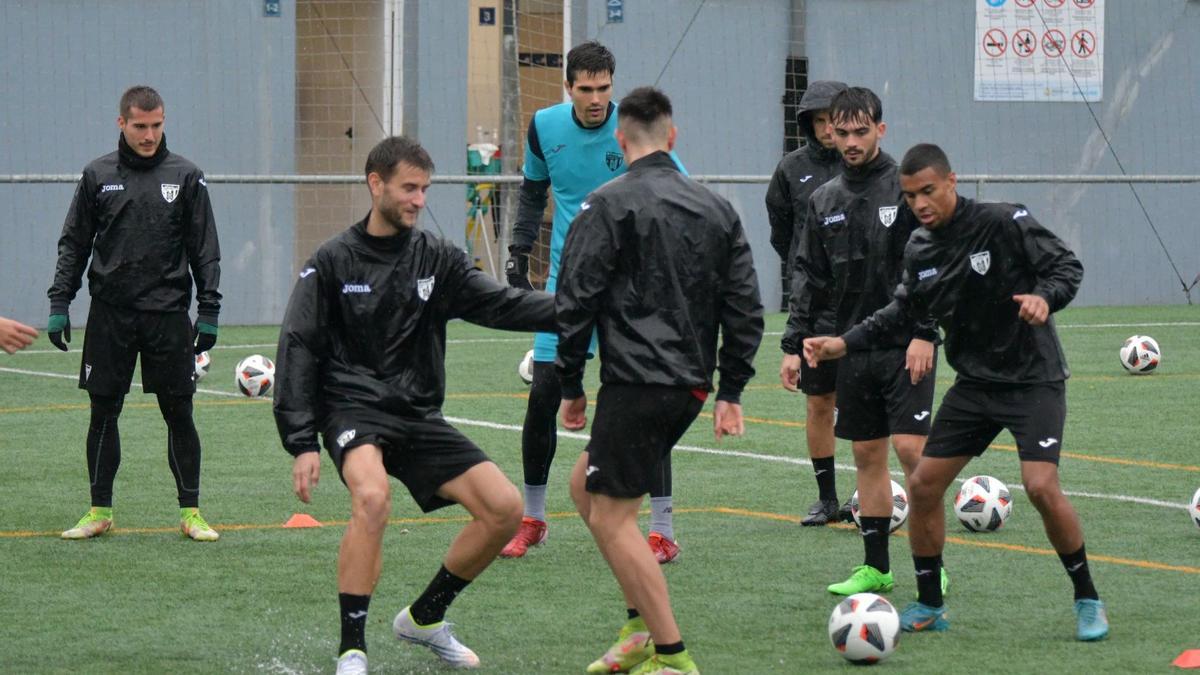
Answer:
(991, 276)
(15, 336)
(570, 149)
(143, 216)
(657, 264)
(360, 361)
(848, 263)
(798, 175)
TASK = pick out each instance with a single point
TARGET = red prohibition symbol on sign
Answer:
(995, 42)
(1024, 42)
(1054, 4)
(1083, 43)
(1025, 4)
(1054, 43)
(1084, 4)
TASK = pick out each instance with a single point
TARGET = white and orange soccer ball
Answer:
(203, 362)
(255, 375)
(1194, 508)
(525, 368)
(1140, 354)
(983, 504)
(899, 507)
(864, 628)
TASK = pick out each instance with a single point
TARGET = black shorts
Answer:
(972, 414)
(424, 454)
(116, 336)
(876, 398)
(634, 429)
(820, 380)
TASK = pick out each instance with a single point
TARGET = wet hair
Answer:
(645, 112)
(393, 150)
(590, 57)
(925, 156)
(140, 97)
(856, 103)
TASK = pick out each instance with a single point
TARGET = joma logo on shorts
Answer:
(356, 288)
(345, 437)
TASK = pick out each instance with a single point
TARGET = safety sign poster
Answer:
(1039, 50)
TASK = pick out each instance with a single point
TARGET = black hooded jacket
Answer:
(965, 274)
(366, 327)
(145, 222)
(658, 264)
(800, 173)
(849, 261)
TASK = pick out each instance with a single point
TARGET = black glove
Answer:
(58, 329)
(517, 271)
(205, 333)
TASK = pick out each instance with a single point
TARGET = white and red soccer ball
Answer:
(983, 504)
(255, 375)
(864, 628)
(1140, 354)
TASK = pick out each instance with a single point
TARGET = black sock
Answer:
(1077, 568)
(431, 606)
(633, 613)
(104, 447)
(874, 530)
(354, 621)
(929, 580)
(667, 650)
(823, 470)
(183, 447)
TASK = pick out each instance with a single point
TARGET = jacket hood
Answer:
(818, 96)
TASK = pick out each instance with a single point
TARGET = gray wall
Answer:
(917, 55)
(725, 81)
(226, 73)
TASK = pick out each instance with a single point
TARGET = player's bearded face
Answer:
(402, 196)
(857, 139)
(143, 130)
(823, 128)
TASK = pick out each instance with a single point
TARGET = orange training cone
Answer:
(301, 520)
(1190, 658)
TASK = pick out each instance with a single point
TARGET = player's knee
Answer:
(371, 505)
(106, 407)
(922, 492)
(175, 409)
(1043, 493)
(820, 411)
(505, 510)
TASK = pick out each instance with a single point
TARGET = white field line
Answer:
(685, 448)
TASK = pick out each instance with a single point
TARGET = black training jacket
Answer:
(658, 263)
(800, 173)
(366, 327)
(848, 263)
(964, 274)
(145, 223)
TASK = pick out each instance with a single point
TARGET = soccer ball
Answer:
(203, 361)
(983, 504)
(254, 375)
(1194, 508)
(1140, 354)
(899, 507)
(525, 368)
(864, 628)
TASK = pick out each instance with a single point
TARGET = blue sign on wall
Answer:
(272, 8)
(616, 11)
(487, 16)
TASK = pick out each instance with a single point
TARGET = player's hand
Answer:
(517, 271)
(15, 335)
(306, 473)
(825, 348)
(919, 359)
(789, 372)
(1034, 308)
(205, 334)
(58, 329)
(573, 413)
(727, 420)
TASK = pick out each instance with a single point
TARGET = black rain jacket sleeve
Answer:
(779, 214)
(203, 250)
(74, 245)
(303, 348)
(584, 293)
(741, 319)
(810, 310)
(482, 300)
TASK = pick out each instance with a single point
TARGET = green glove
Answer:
(58, 329)
(206, 335)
